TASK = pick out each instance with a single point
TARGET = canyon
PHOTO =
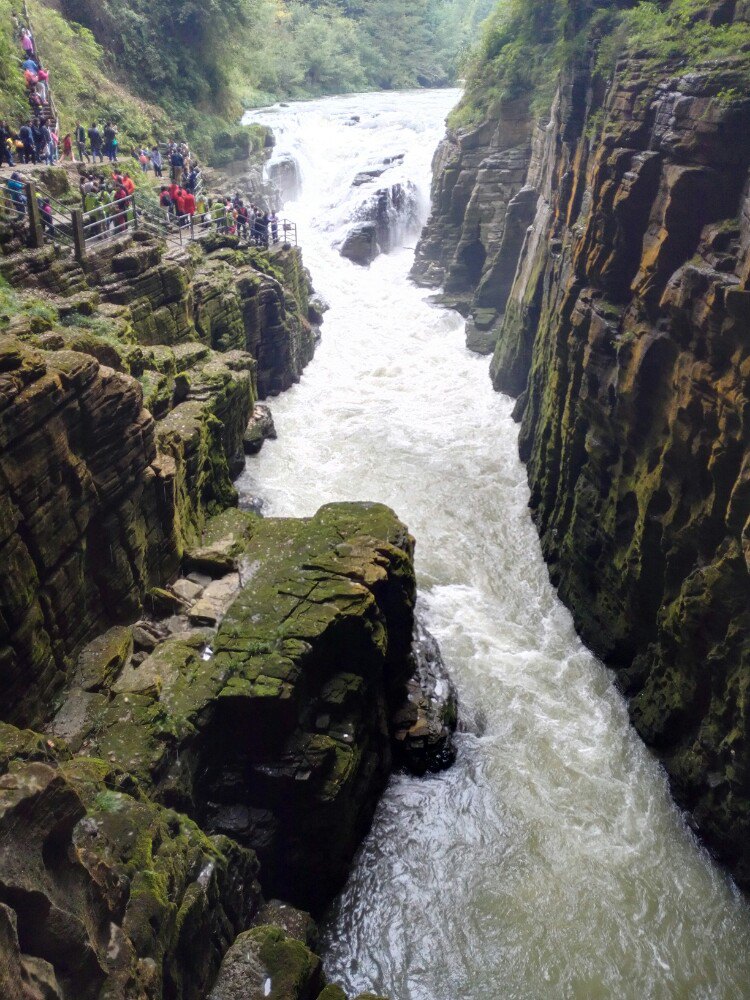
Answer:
(357, 697)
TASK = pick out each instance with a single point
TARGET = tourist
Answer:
(242, 221)
(145, 161)
(273, 221)
(26, 136)
(201, 210)
(156, 161)
(193, 181)
(30, 66)
(188, 207)
(177, 164)
(81, 143)
(16, 188)
(121, 202)
(7, 143)
(95, 141)
(110, 142)
(179, 203)
(218, 213)
(128, 183)
(53, 145)
(40, 136)
(165, 202)
(31, 79)
(48, 222)
(27, 42)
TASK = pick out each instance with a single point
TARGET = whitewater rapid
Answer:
(550, 862)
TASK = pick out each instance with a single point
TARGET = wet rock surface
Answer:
(361, 244)
(425, 723)
(259, 430)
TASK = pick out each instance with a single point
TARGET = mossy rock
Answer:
(223, 543)
(332, 993)
(266, 964)
(92, 856)
(103, 659)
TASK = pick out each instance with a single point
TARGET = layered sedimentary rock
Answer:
(126, 396)
(625, 334)
(480, 212)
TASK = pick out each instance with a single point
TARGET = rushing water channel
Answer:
(550, 861)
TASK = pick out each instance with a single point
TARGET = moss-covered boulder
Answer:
(275, 730)
(266, 964)
(112, 896)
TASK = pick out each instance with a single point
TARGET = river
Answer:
(550, 862)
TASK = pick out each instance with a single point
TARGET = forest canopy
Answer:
(218, 54)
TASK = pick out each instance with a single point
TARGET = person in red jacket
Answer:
(188, 205)
(179, 202)
(121, 203)
(128, 184)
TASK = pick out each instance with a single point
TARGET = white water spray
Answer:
(550, 861)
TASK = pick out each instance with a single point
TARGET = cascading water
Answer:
(550, 861)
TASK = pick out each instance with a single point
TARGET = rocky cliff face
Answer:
(480, 212)
(625, 336)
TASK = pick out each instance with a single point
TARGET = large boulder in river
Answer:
(394, 210)
(275, 728)
(361, 244)
(285, 174)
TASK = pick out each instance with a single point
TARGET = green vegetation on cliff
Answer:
(524, 46)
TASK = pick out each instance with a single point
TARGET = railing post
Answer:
(135, 212)
(79, 237)
(36, 232)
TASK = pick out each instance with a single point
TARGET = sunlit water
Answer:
(550, 861)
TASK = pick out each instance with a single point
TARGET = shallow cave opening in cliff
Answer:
(473, 257)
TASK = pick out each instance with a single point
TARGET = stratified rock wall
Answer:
(626, 335)
(125, 394)
(84, 504)
(478, 210)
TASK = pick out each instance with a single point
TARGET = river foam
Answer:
(550, 861)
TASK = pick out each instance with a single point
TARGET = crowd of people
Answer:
(231, 215)
(108, 202)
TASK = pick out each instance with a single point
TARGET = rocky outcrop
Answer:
(361, 244)
(480, 212)
(222, 297)
(269, 727)
(273, 729)
(394, 210)
(105, 893)
(127, 391)
(99, 500)
(625, 337)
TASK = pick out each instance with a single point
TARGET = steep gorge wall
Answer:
(125, 392)
(626, 336)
